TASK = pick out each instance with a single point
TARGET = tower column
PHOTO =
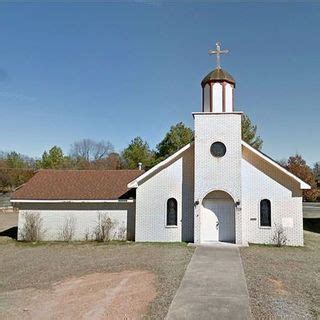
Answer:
(217, 164)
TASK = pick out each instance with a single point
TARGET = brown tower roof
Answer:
(218, 75)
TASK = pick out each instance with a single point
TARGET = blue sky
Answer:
(115, 71)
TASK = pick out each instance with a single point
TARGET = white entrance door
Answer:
(217, 220)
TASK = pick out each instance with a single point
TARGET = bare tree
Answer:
(89, 150)
(112, 161)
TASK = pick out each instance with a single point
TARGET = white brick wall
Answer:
(85, 216)
(174, 181)
(262, 181)
(218, 173)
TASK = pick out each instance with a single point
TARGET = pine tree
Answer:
(178, 136)
(138, 151)
(249, 133)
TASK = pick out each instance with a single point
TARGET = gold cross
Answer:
(218, 51)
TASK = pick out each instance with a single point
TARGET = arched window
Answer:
(172, 212)
(265, 213)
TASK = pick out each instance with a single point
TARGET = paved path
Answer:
(213, 287)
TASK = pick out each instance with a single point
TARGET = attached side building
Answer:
(80, 196)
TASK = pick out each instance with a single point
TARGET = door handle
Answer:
(217, 224)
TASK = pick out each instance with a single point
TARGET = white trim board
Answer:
(71, 201)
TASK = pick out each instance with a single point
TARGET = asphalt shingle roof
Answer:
(77, 185)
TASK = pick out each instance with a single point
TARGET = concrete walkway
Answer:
(213, 287)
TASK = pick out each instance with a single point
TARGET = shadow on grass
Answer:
(11, 233)
(312, 225)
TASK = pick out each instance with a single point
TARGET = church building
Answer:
(217, 188)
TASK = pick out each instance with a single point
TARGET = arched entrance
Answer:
(218, 217)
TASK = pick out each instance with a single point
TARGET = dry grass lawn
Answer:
(89, 280)
(284, 282)
(134, 280)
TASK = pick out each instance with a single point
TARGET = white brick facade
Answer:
(243, 174)
(262, 181)
(173, 181)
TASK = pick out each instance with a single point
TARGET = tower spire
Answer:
(218, 52)
(218, 87)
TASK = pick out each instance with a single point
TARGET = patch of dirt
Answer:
(122, 295)
(278, 286)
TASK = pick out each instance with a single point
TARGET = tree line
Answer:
(16, 169)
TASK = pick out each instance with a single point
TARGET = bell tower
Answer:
(217, 156)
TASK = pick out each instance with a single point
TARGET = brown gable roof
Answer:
(77, 185)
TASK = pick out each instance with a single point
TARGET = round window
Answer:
(218, 149)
